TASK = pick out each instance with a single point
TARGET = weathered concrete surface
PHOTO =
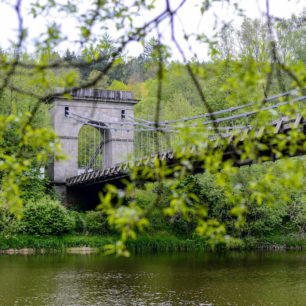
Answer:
(100, 105)
(82, 250)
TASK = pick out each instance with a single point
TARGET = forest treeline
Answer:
(236, 52)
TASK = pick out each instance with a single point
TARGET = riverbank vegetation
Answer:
(255, 205)
(144, 244)
(46, 224)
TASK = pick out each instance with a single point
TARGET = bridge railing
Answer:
(153, 137)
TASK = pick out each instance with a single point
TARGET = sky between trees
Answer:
(189, 21)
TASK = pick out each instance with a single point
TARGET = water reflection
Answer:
(233, 278)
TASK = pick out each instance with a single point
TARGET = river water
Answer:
(232, 278)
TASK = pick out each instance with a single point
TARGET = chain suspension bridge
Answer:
(142, 140)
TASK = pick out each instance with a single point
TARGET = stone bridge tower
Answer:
(100, 105)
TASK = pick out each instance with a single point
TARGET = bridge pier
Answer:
(101, 106)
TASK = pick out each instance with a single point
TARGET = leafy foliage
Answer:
(46, 217)
(282, 215)
(96, 223)
(9, 223)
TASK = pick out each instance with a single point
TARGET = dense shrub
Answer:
(79, 221)
(36, 185)
(158, 222)
(282, 216)
(90, 222)
(96, 223)
(297, 212)
(46, 217)
(9, 224)
(144, 198)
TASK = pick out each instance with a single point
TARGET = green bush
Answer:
(283, 215)
(9, 224)
(297, 212)
(96, 223)
(158, 222)
(36, 186)
(46, 217)
(79, 221)
(144, 198)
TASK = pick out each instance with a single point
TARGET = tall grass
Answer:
(53, 242)
(143, 244)
(147, 244)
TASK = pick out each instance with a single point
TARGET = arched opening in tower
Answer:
(92, 148)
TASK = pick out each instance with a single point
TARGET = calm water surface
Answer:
(257, 278)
